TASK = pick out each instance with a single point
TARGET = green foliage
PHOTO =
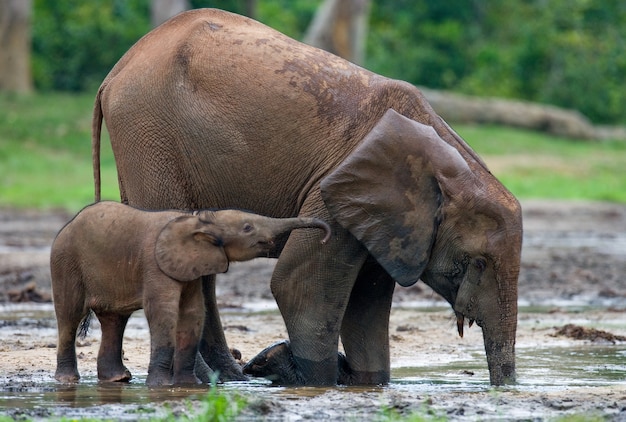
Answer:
(45, 157)
(216, 406)
(75, 43)
(291, 17)
(420, 42)
(570, 53)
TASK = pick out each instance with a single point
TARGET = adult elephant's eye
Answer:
(480, 264)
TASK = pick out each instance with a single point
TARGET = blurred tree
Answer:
(340, 27)
(241, 7)
(162, 10)
(570, 53)
(75, 43)
(15, 38)
(423, 42)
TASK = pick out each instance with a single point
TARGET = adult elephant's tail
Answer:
(96, 133)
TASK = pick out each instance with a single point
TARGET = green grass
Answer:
(45, 152)
(216, 406)
(537, 165)
(45, 157)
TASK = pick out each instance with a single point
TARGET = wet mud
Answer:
(571, 353)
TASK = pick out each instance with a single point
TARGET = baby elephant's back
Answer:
(105, 249)
(104, 227)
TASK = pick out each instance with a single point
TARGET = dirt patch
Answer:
(573, 272)
(582, 333)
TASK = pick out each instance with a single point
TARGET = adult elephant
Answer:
(213, 109)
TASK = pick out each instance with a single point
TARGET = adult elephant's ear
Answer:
(387, 193)
(187, 249)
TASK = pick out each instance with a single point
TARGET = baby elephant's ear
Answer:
(187, 249)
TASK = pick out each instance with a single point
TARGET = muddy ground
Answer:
(573, 272)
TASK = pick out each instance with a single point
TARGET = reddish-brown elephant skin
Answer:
(213, 109)
(112, 259)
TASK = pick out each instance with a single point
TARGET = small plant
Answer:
(425, 414)
(216, 406)
(220, 406)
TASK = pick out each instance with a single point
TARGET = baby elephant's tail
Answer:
(83, 328)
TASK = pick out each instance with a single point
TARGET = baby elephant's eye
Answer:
(247, 228)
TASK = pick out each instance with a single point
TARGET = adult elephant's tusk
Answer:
(460, 319)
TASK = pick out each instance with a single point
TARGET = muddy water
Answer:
(539, 368)
(574, 256)
(555, 378)
(91, 399)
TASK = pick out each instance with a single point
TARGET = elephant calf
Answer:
(115, 259)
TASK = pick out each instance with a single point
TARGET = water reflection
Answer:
(89, 392)
(537, 368)
(540, 369)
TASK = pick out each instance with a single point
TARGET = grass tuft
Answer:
(45, 157)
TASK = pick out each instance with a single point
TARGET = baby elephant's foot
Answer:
(67, 376)
(204, 371)
(156, 379)
(224, 363)
(114, 375)
(185, 379)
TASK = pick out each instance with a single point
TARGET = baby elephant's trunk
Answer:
(308, 222)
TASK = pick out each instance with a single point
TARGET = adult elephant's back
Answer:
(213, 109)
(211, 97)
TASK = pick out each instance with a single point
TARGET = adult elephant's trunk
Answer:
(489, 296)
(499, 335)
(500, 359)
(500, 350)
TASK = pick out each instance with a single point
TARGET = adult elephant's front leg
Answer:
(213, 346)
(365, 329)
(312, 285)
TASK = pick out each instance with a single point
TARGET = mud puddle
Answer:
(573, 273)
(433, 372)
(90, 399)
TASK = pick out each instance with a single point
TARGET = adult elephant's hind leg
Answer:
(213, 346)
(365, 328)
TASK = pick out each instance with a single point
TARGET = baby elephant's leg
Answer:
(69, 310)
(161, 307)
(110, 365)
(67, 323)
(190, 322)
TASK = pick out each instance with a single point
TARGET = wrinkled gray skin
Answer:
(213, 109)
(115, 259)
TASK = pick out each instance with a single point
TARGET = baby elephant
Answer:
(115, 259)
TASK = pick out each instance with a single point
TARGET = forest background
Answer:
(568, 53)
